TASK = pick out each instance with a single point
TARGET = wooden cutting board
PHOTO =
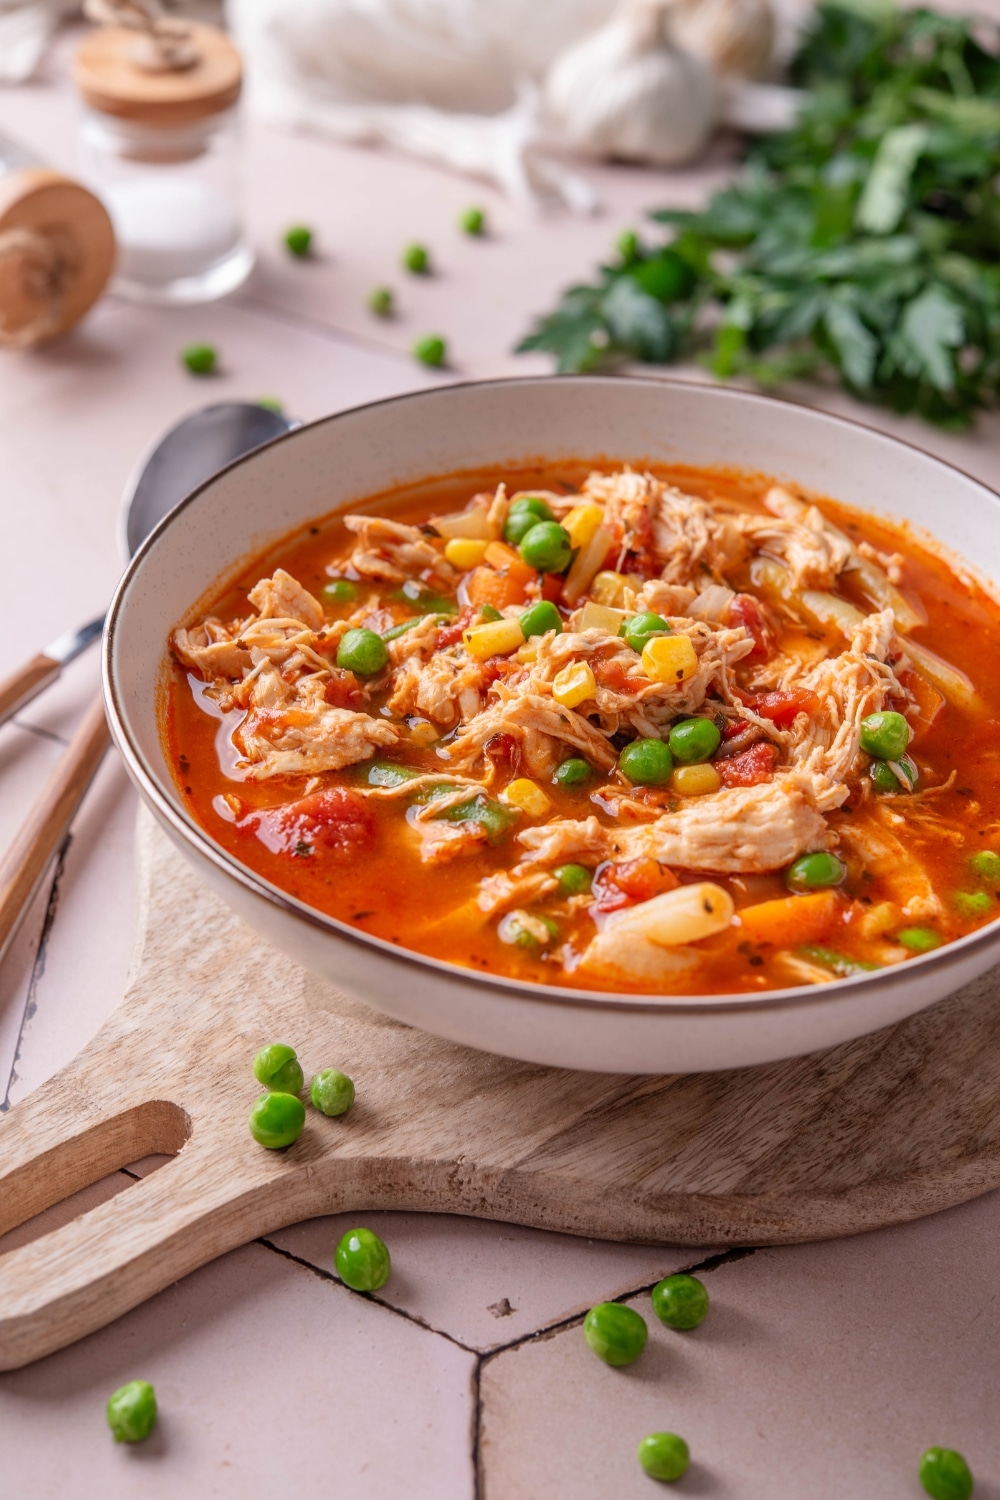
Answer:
(885, 1129)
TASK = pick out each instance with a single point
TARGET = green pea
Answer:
(616, 1334)
(646, 763)
(694, 740)
(340, 591)
(381, 302)
(362, 652)
(945, 1475)
(331, 1092)
(472, 221)
(534, 505)
(547, 547)
(431, 350)
(517, 526)
(680, 1301)
(813, 872)
(638, 629)
(416, 258)
(493, 817)
(628, 246)
(271, 403)
(987, 864)
(573, 880)
(277, 1068)
(276, 1120)
(664, 1455)
(572, 772)
(539, 619)
(131, 1411)
(918, 939)
(885, 780)
(362, 1261)
(972, 904)
(885, 735)
(298, 240)
(200, 359)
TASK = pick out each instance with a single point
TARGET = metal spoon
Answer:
(191, 452)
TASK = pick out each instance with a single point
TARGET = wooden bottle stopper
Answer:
(114, 79)
(57, 251)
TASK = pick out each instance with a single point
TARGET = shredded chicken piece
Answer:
(211, 649)
(393, 552)
(654, 520)
(878, 850)
(801, 537)
(740, 830)
(446, 689)
(504, 890)
(848, 687)
(540, 726)
(665, 599)
(290, 729)
(280, 597)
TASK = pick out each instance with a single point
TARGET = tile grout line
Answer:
(45, 734)
(38, 965)
(331, 331)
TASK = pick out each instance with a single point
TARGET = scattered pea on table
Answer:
(276, 1120)
(362, 1261)
(331, 1092)
(277, 1067)
(431, 350)
(298, 241)
(381, 302)
(680, 1301)
(200, 359)
(664, 1455)
(617, 1334)
(472, 221)
(945, 1475)
(131, 1412)
(416, 258)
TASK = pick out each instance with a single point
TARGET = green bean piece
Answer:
(574, 880)
(200, 359)
(539, 619)
(489, 613)
(276, 1120)
(381, 302)
(973, 904)
(617, 1334)
(472, 221)
(513, 930)
(415, 592)
(986, 864)
(331, 1092)
(841, 963)
(298, 241)
(664, 1455)
(945, 1475)
(431, 350)
(572, 772)
(491, 816)
(814, 872)
(646, 763)
(693, 740)
(680, 1301)
(362, 1261)
(638, 629)
(384, 773)
(131, 1412)
(547, 547)
(416, 258)
(885, 735)
(340, 591)
(403, 627)
(277, 1067)
(918, 939)
(362, 652)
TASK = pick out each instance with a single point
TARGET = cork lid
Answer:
(57, 251)
(112, 78)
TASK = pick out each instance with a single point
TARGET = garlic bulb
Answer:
(625, 92)
(733, 36)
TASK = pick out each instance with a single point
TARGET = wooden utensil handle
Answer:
(21, 686)
(45, 827)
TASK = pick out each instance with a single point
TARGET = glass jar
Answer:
(163, 151)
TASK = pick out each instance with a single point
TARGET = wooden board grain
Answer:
(885, 1129)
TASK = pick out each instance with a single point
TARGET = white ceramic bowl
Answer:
(332, 464)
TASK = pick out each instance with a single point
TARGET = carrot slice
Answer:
(487, 586)
(791, 920)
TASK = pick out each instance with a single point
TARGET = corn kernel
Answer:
(669, 658)
(423, 733)
(609, 588)
(499, 555)
(528, 797)
(695, 781)
(465, 552)
(574, 684)
(581, 523)
(528, 653)
(497, 638)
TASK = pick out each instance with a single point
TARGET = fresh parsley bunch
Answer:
(864, 241)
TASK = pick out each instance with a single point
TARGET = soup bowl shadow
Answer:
(333, 463)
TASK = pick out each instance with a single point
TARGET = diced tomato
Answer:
(452, 634)
(333, 821)
(749, 767)
(746, 611)
(733, 727)
(630, 880)
(505, 753)
(780, 707)
(613, 674)
(552, 587)
(343, 690)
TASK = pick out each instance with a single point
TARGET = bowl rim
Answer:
(558, 996)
